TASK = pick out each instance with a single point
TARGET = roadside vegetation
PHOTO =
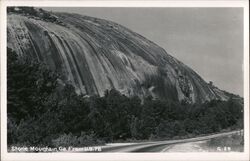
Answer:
(44, 112)
(228, 143)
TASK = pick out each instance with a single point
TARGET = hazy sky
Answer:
(209, 40)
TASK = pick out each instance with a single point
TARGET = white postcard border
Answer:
(123, 156)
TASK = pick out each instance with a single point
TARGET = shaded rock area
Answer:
(95, 55)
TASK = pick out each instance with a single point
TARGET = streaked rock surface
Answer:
(95, 54)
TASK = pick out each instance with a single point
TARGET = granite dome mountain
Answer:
(95, 55)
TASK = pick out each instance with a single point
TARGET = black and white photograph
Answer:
(125, 79)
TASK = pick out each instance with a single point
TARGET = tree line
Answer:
(43, 112)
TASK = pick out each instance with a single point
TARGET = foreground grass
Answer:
(231, 143)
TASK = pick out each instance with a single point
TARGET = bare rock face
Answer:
(95, 55)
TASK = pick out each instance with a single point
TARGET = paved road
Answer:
(159, 146)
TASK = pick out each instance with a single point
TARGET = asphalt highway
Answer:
(159, 146)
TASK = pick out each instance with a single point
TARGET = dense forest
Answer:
(43, 111)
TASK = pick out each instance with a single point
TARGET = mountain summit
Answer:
(95, 55)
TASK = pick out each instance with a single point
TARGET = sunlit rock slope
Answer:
(95, 55)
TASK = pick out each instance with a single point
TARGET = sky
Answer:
(209, 40)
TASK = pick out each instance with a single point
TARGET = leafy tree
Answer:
(29, 86)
